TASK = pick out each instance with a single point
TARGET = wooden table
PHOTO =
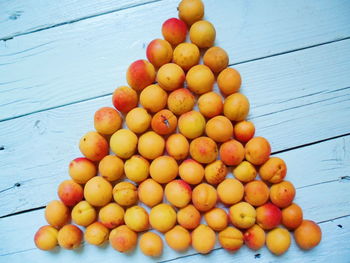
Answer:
(61, 60)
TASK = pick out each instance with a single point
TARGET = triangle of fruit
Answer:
(171, 166)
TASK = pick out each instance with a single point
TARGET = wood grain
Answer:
(314, 207)
(294, 102)
(86, 59)
(19, 17)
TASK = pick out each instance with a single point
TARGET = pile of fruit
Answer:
(165, 174)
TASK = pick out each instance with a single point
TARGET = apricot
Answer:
(200, 79)
(191, 124)
(82, 170)
(136, 218)
(256, 193)
(274, 170)
(210, 104)
(282, 194)
(204, 197)
(170, 77)
(98, 191)
(151, 244)
(203, 239)
(191, 11)
(186, 55)
(150, 192)
(178, 193)
(278, 240)
(202, 34)
(140, 74)
(83, 214)
(138, 120)
(57, 214)
(162, 217)
(70, 192)
(268, 216)
(191, 171)
(219, 128)
(123, 239)
(203, 150)
(229, 81)
(230, 191)
(136, 168)
(177, 146)
(174, 31)
(111, 215)
(189, 217)
(46, 238)
(153, 98)
(70, 237)
(242, 215)
(93, 146)
(292, 216)
(96, 234)
(232, 152)
(254, 237)
(123, 143)
(107, 120)
(236, 107)
(257, 150)
(164, 169)
(164, 122)
(125, 194)
(245, 172)
(111, 168)
(308, 235)
(243, 131)
(181, 101)
(159, 52)
(124, 99)
(215, 172)
(216, 59)
(178, 238)
(216, 219)
(231, 238)
(151, 145)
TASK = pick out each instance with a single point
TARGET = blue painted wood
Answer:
(89, 58)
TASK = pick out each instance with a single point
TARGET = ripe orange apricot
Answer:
(178, 193)
(245, 172)
(57, 213)
(232, 152)
(46, 238)
(243, 131)
(70, 192)
(274, 170)
(153, 98)
(82, 170)
(159, 52)
(210, 104)
(181, 101)
(93, 146)
(278, 240)
(201, 233)
(256, 193)
(282, 194)
(257, 150)
(136, 168)
(219, 128)
(231, 239)
(125, 194)
(202, 34)
(204, 197)
(254, 237)
(164, 169)
(177, 146)
(200, 79)
(123, 239)
(230, 191)
(162, 217)
(123, 143)
(107, 120)
(292, 216)
(216, 59)
(189, 217)
(98, 191)
(178, 238)
(138, 120)
(111, 168)
(192, 124)
(140, 74)
(191, 11)
(236, 107)
(308, 235)
(229, 81)
(186, 55)
(215, 172)
(242, 215)
(203, 149)
(170, 77)
(151, 145)
(70, 237)
(151, 244)
(124, 99)
(174, 31)
(216, 219)
(268, 216)
(191, 171)
(164, 122)
(150, 192)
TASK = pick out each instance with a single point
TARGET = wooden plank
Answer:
(42, 144)
(22, 227)
(82, 60)
(19, 17)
